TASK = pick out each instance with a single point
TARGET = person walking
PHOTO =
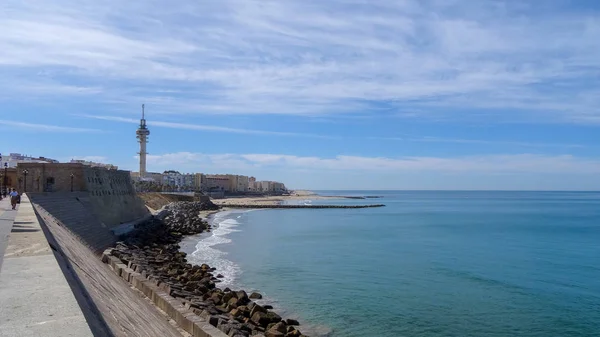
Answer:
(14, 196)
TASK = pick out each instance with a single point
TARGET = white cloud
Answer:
(312, 57)
(44, 127)
(480, 141)
(522, 163)
(201, 127)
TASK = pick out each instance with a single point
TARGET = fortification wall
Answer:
(94, 203)
(46, 177)
(112, 196)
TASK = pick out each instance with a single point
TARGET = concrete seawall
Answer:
(36, 297)
(112, 308)
(116, 300)
(95, 219)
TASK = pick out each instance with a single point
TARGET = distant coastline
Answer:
(247, 201)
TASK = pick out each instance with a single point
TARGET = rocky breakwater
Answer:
(152, 250)
(302, 206)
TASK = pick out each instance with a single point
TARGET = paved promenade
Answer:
(35, 297)
(7, 217)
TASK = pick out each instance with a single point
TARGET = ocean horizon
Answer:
(430, 263)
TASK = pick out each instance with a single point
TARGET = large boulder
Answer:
(290, 321)
(293, 333)
(255, 295)
(261, 319)
(227, 296)
(257, 308)
(242, 296)
(281, 327)
(273, 317)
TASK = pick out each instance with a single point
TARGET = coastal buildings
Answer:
(177, 180)
(217, 182)
(200, 182)
(153, 176)
(13, 159)
(243, 184)
(235, 184)
(269, 187)
(172, 180)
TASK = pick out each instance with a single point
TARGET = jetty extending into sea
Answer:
(300, 206)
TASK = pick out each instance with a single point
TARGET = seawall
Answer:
(110, 306)
(95, 204)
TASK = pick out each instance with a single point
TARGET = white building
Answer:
(178, 180)
(243, 184)
(13, 159)
(150, 176)
(269, 187)
(188, 180)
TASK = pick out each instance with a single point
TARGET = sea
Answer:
(429, 263)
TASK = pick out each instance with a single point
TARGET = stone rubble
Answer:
(152, 250)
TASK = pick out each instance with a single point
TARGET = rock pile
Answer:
(183, 216)
(153, 251)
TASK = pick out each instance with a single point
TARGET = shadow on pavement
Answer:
(23, 230)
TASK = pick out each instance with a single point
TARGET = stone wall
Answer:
(112, 196)
(94, 203)
(8, 178)
(51, 177)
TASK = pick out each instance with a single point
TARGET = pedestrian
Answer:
(14, 196)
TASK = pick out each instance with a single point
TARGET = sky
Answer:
(337, 94)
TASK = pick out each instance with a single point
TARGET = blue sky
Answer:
(403, 94)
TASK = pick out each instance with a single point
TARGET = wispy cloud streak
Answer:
(44, 127)
(200, 127)
(480, 141)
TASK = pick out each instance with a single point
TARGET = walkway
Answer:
(7, 216)
(35, 298)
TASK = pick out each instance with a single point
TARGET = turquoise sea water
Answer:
(428, 264)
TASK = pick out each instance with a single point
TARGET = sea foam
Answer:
(206, 251)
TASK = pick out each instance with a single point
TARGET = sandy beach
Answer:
(270, 200)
